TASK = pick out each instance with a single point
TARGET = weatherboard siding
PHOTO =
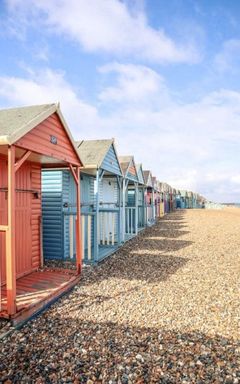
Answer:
(39, 141)
(110, 162)
(132, 173)
(52, 218)
(140, 177)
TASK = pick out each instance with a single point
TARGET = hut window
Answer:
(53, 140)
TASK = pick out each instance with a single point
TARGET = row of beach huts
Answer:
(68, 201)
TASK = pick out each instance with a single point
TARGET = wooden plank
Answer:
(4, 228)
(103, 229)
(39, 141)
(10, 237)
(35, 286)
(20, 162)
(83, 234)
(113, 227)
(131, 209)
(99, 220)
(89, 237)
(107, 226)
(71, 236)
(96, 228)
(79, 253)
(36, 248)
(41, 304)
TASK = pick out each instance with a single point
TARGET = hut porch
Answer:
(37, 290)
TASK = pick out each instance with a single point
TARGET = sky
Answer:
(161, 77)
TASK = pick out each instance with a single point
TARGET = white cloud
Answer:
(235, 179)
(105, 26)
(135, 83)
(228, 59)
(189, 145)
(47, 86)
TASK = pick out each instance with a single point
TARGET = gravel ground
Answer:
(163, 309)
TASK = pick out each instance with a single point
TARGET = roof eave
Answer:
(4, 140)
(90, 166)
(31, 124)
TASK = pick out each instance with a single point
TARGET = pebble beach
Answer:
(163, 309)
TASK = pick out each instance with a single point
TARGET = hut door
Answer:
(108, 220)
(108, 193)
(23, 220)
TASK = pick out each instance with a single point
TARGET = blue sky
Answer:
(162, 77)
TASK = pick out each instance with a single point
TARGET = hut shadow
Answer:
(149, 257)
(145, 267)
(106, 351)
(175, 216)
(169, 234)
(157, 245)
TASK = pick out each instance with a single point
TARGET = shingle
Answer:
(124, 162)
(13, 120)
(93, 152)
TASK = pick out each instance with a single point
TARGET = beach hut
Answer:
(171, 199)
(141, 198)
(156, 197)
(149, 198)
(194, 200)
(178, 199)
(166, 197)
(31, 139)
(184, 199)
(200, 201)
(130, 184)
(174, 203)
(190, 199)
(103, 172)
(100, 187)
(160, 187)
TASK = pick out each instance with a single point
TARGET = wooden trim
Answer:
(120, 210)
(136, 208)
(101, 175)
(20, 162)
(41, 241)
(4, 228)
(97, 220)
(74, 174)
(89, 222)
(10, 236)
(79, 252)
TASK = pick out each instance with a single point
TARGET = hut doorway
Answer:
(23, 220)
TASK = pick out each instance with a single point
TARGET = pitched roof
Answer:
(17, 122)
(146, 175)
(125, 161)
(140, 170)
(154, 181)
(93, 152)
